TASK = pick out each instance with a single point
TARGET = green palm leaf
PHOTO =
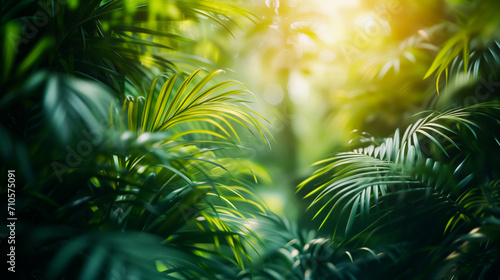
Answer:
(351, 183)
(215, 106)
(470, 45)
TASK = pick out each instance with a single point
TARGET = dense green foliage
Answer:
(431, 192)
(122, 172)
(131, 158)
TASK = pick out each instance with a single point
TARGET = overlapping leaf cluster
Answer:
(122, 157)
(432, 192)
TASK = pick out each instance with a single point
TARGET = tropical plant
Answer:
(123, 172)
(170, 182)
(430, 192)
(428, 175)
(117, 43)
(295, 253)
(472, 47)
(130, 157)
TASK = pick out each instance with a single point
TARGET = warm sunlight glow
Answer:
(298, 87)
(250, 139)
(273, 94)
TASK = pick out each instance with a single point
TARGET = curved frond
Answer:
(472, 47)
(351, 184)
(218, 106)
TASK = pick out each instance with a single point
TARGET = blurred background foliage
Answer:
(138, 158)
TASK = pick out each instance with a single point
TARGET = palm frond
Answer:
(102, 256)
(302, 254)
(478, 203)
(116, 43)
(351, 183)
(411, 50)
(470, 46)
(216, 106)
